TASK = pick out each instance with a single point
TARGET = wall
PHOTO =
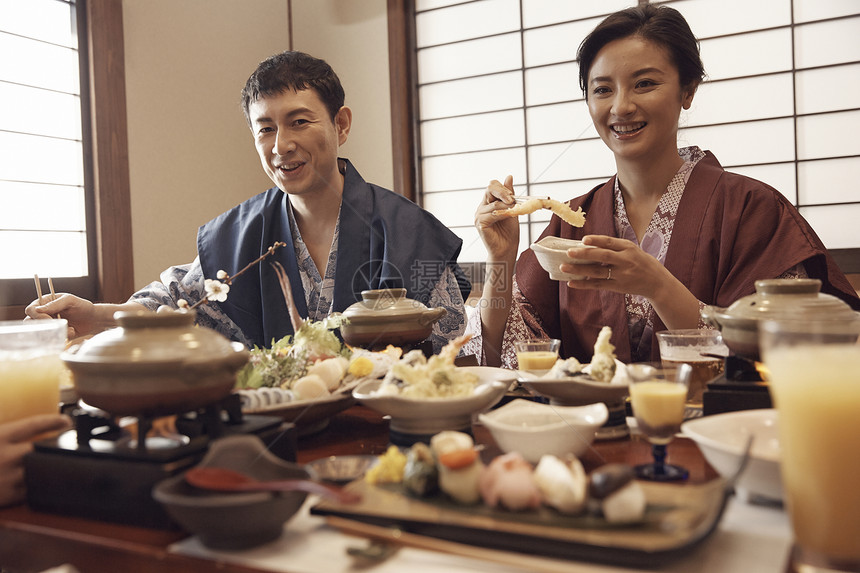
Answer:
(191, 155)
(352, 36)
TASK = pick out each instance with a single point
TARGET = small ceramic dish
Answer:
(551, 252)
(580, 390)
(722, 439)
(234, 521)
(341, 469)
(427, 416)
(535, 430)
(309, 416)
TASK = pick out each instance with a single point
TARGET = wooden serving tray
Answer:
(677, 519)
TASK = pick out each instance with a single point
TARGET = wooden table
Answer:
(32, 541)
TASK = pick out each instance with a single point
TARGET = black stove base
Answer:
(95, 483)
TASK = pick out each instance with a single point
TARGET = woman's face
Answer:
(635, 98)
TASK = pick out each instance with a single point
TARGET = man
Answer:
(346, 235)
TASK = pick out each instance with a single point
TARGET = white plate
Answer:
(308, 415)
(722, 438)
(580, 390)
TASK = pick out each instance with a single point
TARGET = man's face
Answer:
(297, 141)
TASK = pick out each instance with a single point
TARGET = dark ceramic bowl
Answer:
(234, 521)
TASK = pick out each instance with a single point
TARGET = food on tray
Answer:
(452, 463)
(621, 498)
(563, 210)
(415, 376)
(291, 357)
(603, 363)
(459, 466)
(563, 484)
(311, 365)
(389, 468)
(420, 476)
(509, 481)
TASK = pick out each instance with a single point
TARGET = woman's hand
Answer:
(624, 267)
(500, 234)
(15, 443)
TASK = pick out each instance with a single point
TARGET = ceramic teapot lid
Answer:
(790, 298)
(384, 303)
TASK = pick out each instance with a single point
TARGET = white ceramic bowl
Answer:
(535, 429)
(552, 252)
(722, 438)
(422, 416)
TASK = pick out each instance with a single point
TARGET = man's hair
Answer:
(662, 25)
(293, 71)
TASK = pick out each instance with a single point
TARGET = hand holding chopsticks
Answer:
(39, 291)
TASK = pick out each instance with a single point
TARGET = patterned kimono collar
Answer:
(319, 290)
(655, 241)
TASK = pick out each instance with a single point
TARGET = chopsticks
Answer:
(39, 291)
(398, 537)
(524, 198)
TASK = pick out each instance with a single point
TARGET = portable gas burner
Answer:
(105, 469)
(739, 387)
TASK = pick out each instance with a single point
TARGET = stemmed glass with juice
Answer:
(657, 398)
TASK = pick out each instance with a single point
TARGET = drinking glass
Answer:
(537, 356)
(30, 367)
(813, 372)
(702, 349)
(657, 397)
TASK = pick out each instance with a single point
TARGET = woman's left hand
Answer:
(621, 267)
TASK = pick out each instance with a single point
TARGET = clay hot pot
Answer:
(795, 299)
(386, 316)
(155, 364)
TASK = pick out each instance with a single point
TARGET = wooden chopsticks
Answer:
(398, 537)
(50, 287)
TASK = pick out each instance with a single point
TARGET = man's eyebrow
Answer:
(289, 114)
(636, 74)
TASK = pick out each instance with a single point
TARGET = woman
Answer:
(673, 231)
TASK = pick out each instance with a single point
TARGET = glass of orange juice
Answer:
(30, 367)
(813, 372)
(537, 356)
(658, 397)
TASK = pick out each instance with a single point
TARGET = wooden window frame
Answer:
(105, 159)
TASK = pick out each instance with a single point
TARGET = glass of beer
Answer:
(813, 371)
(537, 356)
(30, 367)
(702, 349)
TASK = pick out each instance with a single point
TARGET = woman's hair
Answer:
(293, 71)
(660, 25)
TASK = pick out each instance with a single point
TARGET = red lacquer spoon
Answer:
(222, 479)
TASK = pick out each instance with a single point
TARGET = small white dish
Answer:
(342, 469)
(722, 439)
(580, 390)
(535, 429)
(422, 416)
(551, 252)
